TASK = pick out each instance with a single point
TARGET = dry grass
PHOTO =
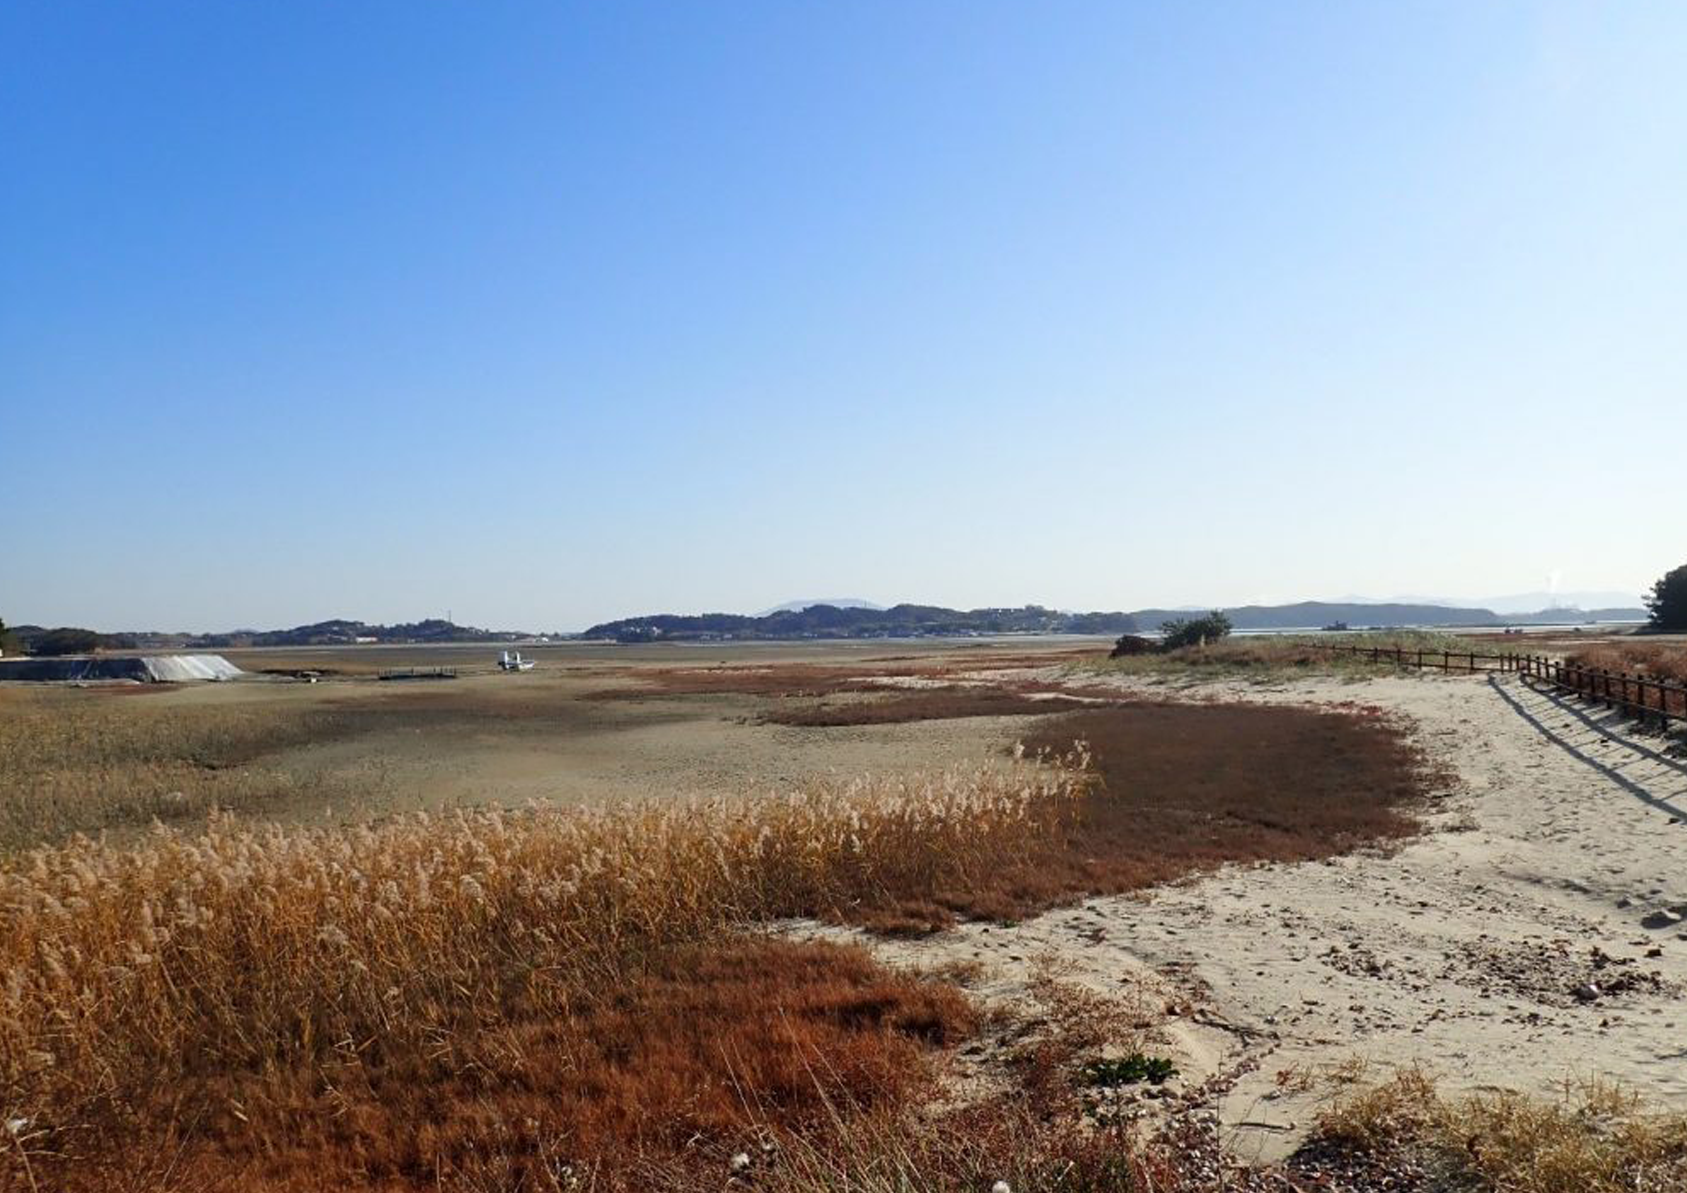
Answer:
(1042, 1148)
(1270, 656)
(207, 980)
(704, 1051)
(921, 704)
(774, 680)
(1593, 1139)
(570, 998)
(821, 679)
(1186, 788)
(75, 762)
(1666, 661)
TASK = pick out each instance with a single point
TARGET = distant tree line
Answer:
(831, 621)
(61, 640)
(339, 632)
(900, 621)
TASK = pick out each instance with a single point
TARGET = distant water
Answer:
(1552, 627)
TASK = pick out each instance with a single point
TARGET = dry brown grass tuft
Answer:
(1659, 660)
(1594, 1139)
(705, 1050)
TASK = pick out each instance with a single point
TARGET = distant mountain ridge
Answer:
(864, 620)
(1514, 603)
(334, 632)
(834, 602)
(830, 621)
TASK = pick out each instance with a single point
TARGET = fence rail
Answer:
(1644, 696)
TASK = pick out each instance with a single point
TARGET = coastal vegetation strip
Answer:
(255, 999)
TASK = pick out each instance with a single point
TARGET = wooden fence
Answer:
(1643, 696)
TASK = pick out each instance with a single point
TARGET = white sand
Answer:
(1461, 952)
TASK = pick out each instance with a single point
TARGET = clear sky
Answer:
(549, 313)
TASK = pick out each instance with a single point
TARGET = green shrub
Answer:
(1668, 601)
(1198, 631)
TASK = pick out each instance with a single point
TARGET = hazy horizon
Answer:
(547, 316)
(1516, 603)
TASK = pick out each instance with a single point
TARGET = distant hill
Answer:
(835, 602)
(340, 632)
(337, 632)
(831, 621)
(1313, 614)
(1517, 603)
(57, 640)
(822, 620)
(1561, 616)
(915, 621)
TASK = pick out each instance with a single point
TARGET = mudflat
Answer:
(591, 722)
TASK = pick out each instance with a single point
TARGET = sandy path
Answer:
(1470, 951)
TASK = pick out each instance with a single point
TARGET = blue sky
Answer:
(550, 313)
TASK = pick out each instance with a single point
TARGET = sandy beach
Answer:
(1532, 935)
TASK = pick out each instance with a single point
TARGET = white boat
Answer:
(512, 661)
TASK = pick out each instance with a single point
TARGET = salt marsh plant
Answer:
(174, 980)
(75, 762)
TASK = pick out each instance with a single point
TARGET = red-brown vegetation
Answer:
(704, 1052)
(1189, 787)
(1186, 788)
(1657, 659)
(498, 1000)
(785, 679)
(921, 704)
(820, 679)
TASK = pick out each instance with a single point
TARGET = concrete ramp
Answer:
(171, 668)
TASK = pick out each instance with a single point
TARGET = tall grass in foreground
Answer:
(132, 977)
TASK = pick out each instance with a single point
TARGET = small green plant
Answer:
(1112, 1072)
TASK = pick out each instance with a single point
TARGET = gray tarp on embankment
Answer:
(166, 668)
